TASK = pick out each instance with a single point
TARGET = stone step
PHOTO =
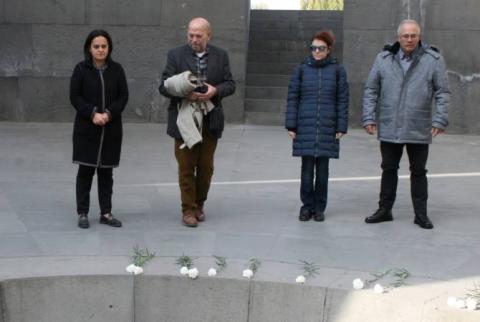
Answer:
(263, 92)
(322, 23)
(264, 118)
(268, 56)
(265, 105)
(271, 68)
(287, 15)
(293, 34)
(267, 80)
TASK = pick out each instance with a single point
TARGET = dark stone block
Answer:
(2, 14)
(45, 11)
(143, 50)
(145, 103)
(128, 12)
(10, 108)
(45, 99)
(57, 48)
(220, 13)
(16, 50)
(465, 60)
(452, 15)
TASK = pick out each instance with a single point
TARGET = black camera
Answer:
(201, 89)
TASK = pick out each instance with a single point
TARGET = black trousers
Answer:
(105, 188)
(391, 156)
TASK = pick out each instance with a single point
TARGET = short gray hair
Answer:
(408, 21)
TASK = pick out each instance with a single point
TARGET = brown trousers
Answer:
(195, 170)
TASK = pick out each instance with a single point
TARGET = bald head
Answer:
(199, 34)
(199, 23)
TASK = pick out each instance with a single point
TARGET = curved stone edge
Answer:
(121, 298)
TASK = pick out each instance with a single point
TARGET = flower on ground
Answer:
(193, 273)
(300, 279)
(472, 303)
(184, 270)
(138, 270)
(378, 289)
(212, 272)
(248, 273)
(460, 304)
(133, 269)
(452, 301)
(358, 284)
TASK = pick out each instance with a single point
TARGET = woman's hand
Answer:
(292, 134)
(100, 119)
(339, 135)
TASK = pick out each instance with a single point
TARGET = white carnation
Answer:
(378, 289)
(130, 268)
(138, 270)
(472, 303)
(358, 284)
(300, 279)
(212, 272)
(193, 273)
(248, 273)
(184, 270)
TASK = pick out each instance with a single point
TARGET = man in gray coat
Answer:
(397, 102)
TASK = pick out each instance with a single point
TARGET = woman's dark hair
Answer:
(325, 36)
(88, 42)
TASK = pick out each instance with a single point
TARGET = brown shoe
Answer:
(189, 219)
(200, 214)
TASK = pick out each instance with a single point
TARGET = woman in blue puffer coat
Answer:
(316, 119)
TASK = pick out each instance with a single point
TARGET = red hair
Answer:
(325, 36)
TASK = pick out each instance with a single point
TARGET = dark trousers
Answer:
(195, 171)
(391, 156)
(105, 188)
(314, 197)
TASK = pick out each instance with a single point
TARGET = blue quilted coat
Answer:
(317, 107)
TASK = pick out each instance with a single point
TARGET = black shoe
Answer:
(319, 216)
(423, 221)
(380, 215)
(83, 221)
(305, 215)
(108, 219)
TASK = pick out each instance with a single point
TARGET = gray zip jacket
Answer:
(399, 103)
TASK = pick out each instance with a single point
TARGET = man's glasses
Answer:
(98, 46)
(318, 48)
(411, 36)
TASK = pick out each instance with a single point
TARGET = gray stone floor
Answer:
(252, 210)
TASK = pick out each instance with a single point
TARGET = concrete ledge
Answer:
(142, 298)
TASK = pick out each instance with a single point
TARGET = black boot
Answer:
(380, 215)
(305, 214)
(423, 221)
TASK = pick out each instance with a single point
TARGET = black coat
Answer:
(181, 59)
(94, 145)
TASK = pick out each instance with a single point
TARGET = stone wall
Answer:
(453, 26)
(42, 40)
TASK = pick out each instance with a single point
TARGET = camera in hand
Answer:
(201, 89)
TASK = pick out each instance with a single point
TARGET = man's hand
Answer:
(292, 134)
(193, 97)
(436, 131)
(371, 129)
(339, 135)
(211, 92)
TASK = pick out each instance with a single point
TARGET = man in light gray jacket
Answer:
(404, 80)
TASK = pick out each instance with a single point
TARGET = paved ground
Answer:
(252, 210)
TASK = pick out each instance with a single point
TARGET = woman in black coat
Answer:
(99, 93)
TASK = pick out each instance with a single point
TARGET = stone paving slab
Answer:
(252, 210)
